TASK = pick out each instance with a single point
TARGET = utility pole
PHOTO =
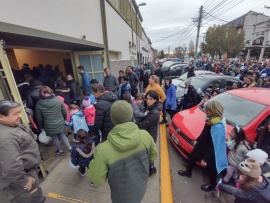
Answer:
(264, 40)
(198, 34)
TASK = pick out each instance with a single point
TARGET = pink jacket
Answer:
(89, 113)
(66, 106)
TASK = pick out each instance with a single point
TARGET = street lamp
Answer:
(138, 40)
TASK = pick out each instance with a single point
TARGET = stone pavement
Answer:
(64, 184)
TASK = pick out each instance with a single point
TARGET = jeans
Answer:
(55, 139)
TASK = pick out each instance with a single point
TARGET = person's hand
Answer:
(203, 163)
(146, 112)
(30, 183)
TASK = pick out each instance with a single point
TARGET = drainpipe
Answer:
(105, 33)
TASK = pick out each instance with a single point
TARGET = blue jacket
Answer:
(267, 71)
(170, 102)
(86, 87)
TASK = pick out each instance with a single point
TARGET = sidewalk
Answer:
(64, 184)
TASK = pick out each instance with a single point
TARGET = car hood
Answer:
(177, 81)
(180, 91)
(191, 122)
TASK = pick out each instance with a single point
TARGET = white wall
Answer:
(119, 33)
(144, 42)
(66, 17)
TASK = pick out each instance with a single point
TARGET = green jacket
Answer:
(51, 114)
(124, 159)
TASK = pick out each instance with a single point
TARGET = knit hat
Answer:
(258, 154)
(250, 167)
(121, 112)
(188, 82)
(86, 102)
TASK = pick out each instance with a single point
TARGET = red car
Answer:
(249, 108)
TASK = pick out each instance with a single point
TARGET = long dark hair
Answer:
(240, 136)
(264, 132)
(170, 81)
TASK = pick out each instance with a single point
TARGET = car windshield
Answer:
(195, 82)
(183, 77)
(238, 110)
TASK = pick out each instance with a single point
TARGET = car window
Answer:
(195, 82)
(230, 81)
(238, 110)
(214, 83)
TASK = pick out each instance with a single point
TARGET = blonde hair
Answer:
(155, 78)
(215, 107)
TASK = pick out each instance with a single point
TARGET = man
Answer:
(133, 81)
(124, 158)
(121, 74)
(159, 72)
(19, 156)
(103, 107)
(190, 95)
(110, 82)
(85, 80)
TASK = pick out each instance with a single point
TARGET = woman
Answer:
(256, 76)
(51, 115)
(151, 121)
(254, 187)
(62, 90)
(72, 85)
(154, 85)
(210, 144)
(263, 138)
(249, 82)
(170, 102)
(235, 85)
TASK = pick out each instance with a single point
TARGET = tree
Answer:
(220, 40)
(161, 54)
(191, 48)
(178, 52)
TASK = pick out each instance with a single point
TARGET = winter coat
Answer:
(51, 115)
(264, 144)
(110, 83)
(191, 96)
(124, 88)
(170, 102)
(151, 121)
(32, 97)
(159, 72)
(133, 80)
(158, 89)
(146, 80)
(236, 156)
(74, 94)
(65, 94)
(89, 114)
(23, 89)
(138, 112)
(19, 152)
(191, 73)
(258, 194)
(124, 159)
(66, 107)
(103, 108)
(86, 87)
(77, 122)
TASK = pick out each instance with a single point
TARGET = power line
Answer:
(188, 34)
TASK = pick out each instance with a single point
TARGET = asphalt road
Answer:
(187, 190)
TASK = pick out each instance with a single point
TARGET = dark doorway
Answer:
(68, 66)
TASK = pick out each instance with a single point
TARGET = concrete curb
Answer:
(165, 172)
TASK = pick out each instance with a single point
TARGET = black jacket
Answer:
(72, 85)
(133, 80)
(102, 119)
(65, 94)
(191, 96)
(146, 80)
(32, 97)
(159, 72)
(151, 122)
(191, 73)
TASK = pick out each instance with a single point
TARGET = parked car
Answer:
(248, 107)
(206, 81)
(183, 77)
(175, 70)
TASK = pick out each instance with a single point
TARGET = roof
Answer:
(237, 22)
(260, 95)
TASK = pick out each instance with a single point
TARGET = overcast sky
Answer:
(162, 18)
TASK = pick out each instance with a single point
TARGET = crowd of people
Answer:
(115, 127)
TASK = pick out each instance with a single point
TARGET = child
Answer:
(124, 87)
(238, 147)
(82, 152)
(89, 112)
(204, 100)
(91, 97)
(77, 120)
(139, 108)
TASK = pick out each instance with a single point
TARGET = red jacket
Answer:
(89, 114)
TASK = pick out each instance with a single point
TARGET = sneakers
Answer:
(80, 172)
(60, 152)
(184, 173)
(152, 171)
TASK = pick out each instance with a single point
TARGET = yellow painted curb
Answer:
(65, 199)
(165, 172)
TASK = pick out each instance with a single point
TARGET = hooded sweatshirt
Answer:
(124, 159)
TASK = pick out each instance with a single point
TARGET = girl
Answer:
(254, 187)
(205, 99)
(139, 108)
(89, 112)
(238, 149)
(82, 152)
(77, 120)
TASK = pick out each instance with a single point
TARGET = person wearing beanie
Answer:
(123, 157)
(254, 187)
(190, 95)
(89, 113)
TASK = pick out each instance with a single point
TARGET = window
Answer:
(229, 82)
(215, 84)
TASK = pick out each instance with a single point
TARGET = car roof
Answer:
(210, 76)
(204, 72)
(257, 94)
